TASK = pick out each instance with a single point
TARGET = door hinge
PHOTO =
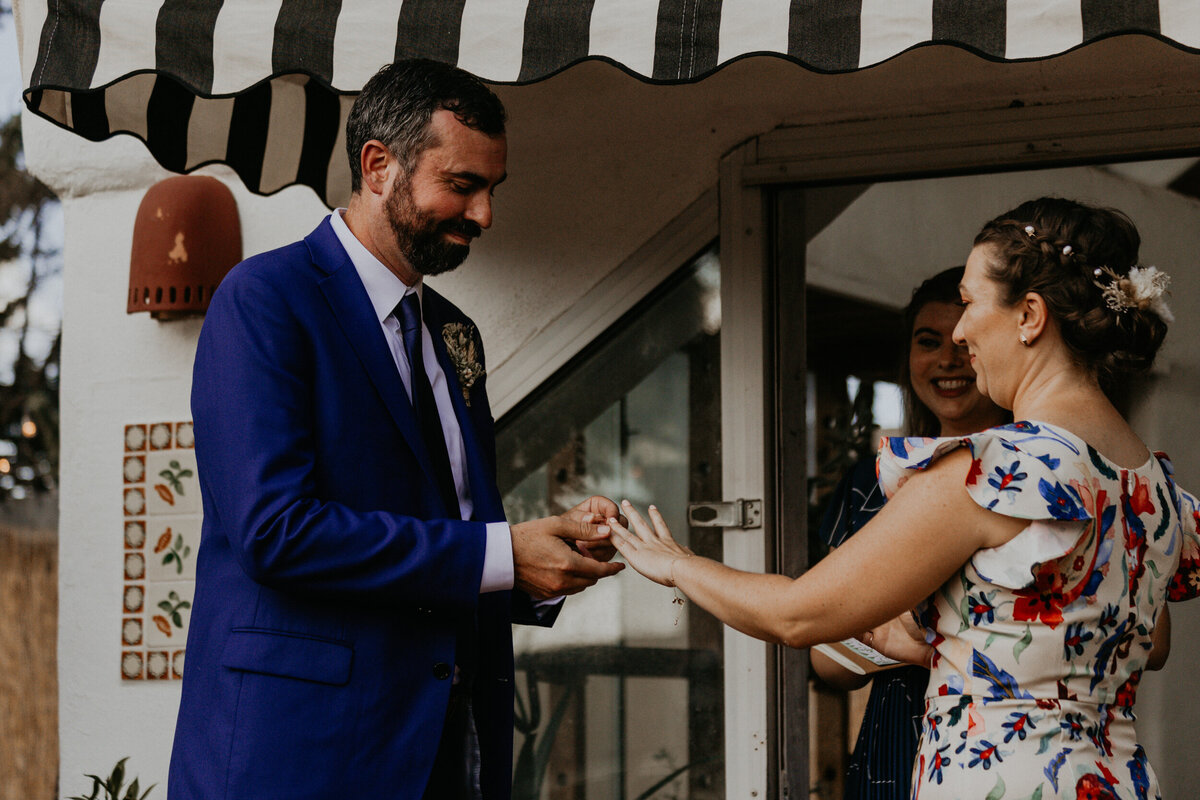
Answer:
(740, 513)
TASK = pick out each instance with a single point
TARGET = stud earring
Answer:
(1024, 340)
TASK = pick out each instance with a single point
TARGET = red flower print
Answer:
(1044, 600)
(1185, 583)
(1139, 501)
(1128, 691)
(977, 470)
(1092, 787)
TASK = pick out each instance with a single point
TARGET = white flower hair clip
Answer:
(1143, 288)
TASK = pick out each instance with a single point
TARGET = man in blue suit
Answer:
(356, 579)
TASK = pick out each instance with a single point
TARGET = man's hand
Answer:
(544, 563)
(595, 511)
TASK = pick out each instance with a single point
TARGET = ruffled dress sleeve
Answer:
(1030, 481)
(1185, 584)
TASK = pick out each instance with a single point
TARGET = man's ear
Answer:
(377, 164)
(1034, 317)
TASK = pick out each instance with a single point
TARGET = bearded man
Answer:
(356, 579)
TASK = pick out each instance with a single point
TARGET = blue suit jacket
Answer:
(331, 582)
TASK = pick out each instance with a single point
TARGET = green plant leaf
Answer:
(998, 790)
(166, 475)
(177, 618)
(187, 473)
(185, 604)
(133, 790)
(175, 465)
(117, 778)
(169, 557)
(165, 606)
(178, 541)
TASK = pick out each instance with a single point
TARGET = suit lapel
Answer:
(352, 308)
(483, 483)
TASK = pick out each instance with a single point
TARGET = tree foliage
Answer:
(29, 403)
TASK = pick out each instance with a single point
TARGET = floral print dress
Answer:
(1040, 643)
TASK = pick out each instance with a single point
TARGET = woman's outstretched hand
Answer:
(652, 551)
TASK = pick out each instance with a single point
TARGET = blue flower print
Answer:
(1072, 726)
(1006, 480)
(1075, 638)
(1108, 618)
(1056, 763)
(1049, 460)
(939, 761)
(1061, 501)
(981, 608)
(1139, 773)
(984, 754)
(1018, 724)
(933, 727)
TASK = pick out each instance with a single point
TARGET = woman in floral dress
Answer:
(1041, 553)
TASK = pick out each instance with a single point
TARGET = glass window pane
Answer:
(622, 698)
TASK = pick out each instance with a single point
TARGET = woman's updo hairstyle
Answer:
(1054, 247)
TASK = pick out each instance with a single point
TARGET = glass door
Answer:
(623, 699)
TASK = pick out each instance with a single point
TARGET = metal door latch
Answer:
(738, 514)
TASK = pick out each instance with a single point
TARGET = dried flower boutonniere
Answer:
(460, 338)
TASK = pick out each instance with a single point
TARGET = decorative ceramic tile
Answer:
(135, 438)
(161, 437)
(169, 606)
(158, 665)
(172, 484)
(131, 665)
(131, 632)
(161, 536)
(171, 550)
(135, 533)
(135, 469)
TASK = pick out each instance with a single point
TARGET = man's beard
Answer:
(421, 239)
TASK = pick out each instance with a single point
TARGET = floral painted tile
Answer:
(171, 549)
(161, 537)
(169, 606)
(173, 486)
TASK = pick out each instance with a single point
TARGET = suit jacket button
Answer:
(441, 670)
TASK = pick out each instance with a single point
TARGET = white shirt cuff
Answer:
(498, 573)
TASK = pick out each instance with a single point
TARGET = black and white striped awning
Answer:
(265, 85)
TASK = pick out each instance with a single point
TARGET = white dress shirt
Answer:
(385, 291)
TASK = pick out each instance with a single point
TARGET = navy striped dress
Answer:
(881, 765)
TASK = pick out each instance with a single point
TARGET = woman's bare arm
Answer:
(924, 534)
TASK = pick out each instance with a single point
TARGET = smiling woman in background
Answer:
(1042, 552)
(940, 399)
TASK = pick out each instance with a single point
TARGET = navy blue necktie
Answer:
(430, 424)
